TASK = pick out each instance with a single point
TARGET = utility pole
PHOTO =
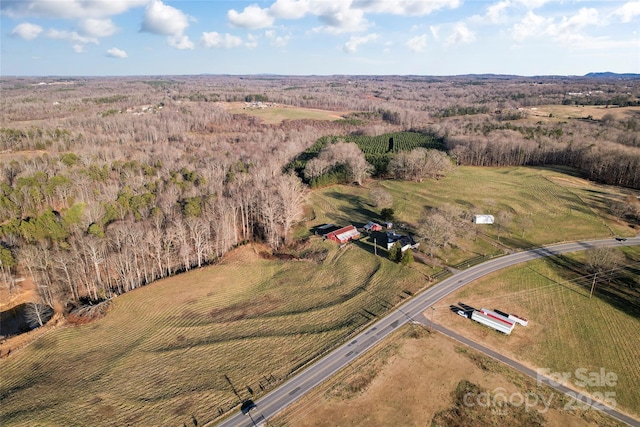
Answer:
(593, 285)
(375, 246)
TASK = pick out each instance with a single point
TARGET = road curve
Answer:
(294, 388)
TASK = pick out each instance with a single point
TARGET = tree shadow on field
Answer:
(357, 210)
(368, 244)
(621, 291)
(564, 266)
(465, 203)
(572, 204)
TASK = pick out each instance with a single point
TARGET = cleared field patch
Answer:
(162, 352)
(278, 113)
(596, 112)
(531, 207)
(567, 330)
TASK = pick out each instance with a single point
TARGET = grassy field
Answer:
(413, 379)
(277, 114)
(567, 330)
(532, 206)
(161, 354)
(564, 112)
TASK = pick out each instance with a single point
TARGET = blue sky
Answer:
(304, 37)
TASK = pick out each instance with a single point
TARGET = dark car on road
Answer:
(248, 406)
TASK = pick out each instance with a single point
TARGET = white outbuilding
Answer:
(483, 219)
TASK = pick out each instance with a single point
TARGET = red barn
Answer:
(372, 226)
(344, 234)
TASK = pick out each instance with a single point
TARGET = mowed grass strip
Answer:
(162, 352)
(567, 330)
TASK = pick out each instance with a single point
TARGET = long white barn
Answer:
(493, 320)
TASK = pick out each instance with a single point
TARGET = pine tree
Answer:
(395, 253)
(407, 257)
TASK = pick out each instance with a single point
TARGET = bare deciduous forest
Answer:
(108, 184)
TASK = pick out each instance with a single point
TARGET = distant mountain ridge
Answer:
(610, 75)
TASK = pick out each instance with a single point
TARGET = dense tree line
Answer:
(131, 223)
(597, 154)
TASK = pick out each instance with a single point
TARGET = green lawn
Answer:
(532, 207)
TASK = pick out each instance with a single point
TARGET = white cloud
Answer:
(569, 26)
(276, 40)
(579, 41)
(567, 31)
(180, 41)
(628, 12)
(356, 41)
(71, 36)
(164, 20)
(341, 20)
(532, 4)
(461, 34)
(78, 48)
(97, 27)
(252, 42)
(252, 17)
(435, 31)
(531, 25)
(114, 52)
(338, 16)
(417, 44)
(405, 7)
(497, 12)
(27, 31)
(290, 9)
(217, 40)
(68, 9)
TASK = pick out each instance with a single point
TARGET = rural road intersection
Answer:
(412, 311)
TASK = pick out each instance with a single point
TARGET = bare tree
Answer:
(199, 235)
(603, 263)
(381, 198)
(340, 153)
(291, 192)
(37, 314)
(435, 231)
(359, 168)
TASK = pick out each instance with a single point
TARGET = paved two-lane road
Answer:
(412, 310)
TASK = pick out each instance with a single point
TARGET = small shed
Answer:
(324, 229)
(372, 226)
(344, 234)
(483, 219)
